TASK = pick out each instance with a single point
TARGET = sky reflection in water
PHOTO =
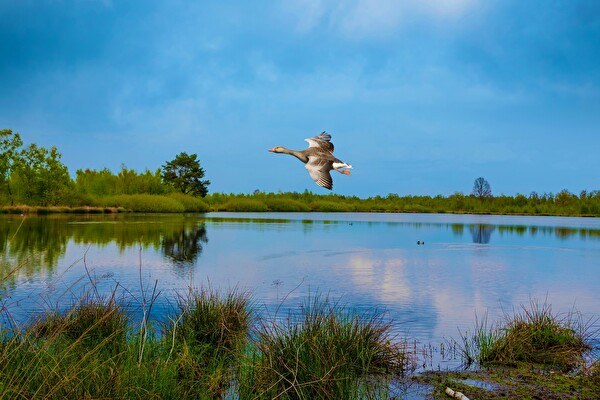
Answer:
(468, 265)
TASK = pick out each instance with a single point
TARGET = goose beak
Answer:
(272, 150)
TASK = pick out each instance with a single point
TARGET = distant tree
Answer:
(482, 189)
(9, 158)
(185, 175)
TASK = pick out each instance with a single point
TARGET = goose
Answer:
(319, 159)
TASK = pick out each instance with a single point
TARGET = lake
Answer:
(467, 265)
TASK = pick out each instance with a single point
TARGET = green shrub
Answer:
(286, 205)
(190, 203)
(142, 203)
(244, 204)
(330, 206)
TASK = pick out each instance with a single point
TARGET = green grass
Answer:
(190, 203)
(533, 335)
(142, 203)
(325, 352)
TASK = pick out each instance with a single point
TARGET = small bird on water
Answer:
(319, 159)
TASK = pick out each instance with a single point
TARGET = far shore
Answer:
(45, 210)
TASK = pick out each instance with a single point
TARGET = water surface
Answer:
(467, 264)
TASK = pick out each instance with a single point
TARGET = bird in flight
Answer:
(318, 159)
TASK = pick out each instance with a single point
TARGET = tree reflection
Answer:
(185, 245)
(481, 233)
(36, 243)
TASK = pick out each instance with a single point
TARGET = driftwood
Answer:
(456, 395)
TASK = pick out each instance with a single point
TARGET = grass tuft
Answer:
(324, 352)
(208, 335)
(534, 335)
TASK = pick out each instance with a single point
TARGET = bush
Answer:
(286, 205)
(329, 206)
(243, 204)
(190, 203)
(142, 203)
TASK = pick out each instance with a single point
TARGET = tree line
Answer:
(35, 175)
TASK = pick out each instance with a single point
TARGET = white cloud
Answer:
(367, 18)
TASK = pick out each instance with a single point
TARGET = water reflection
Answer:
(184, 247)
(481, 233)
(36, 244)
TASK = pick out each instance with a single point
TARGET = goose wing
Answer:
(318, 169)
(321, 141)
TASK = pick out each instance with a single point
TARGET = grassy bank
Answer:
(216, 346)
(211, 348)
(562, 204)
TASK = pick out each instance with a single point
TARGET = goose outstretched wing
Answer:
(321, 141)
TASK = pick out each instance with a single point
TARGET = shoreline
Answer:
(45, 210)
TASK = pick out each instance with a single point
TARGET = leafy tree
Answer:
(482, 189)
(40, 176)
(9, 158)
(185, 175)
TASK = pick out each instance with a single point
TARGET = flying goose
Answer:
(319, 159)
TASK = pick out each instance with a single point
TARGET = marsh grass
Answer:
(534, 335)
(142, 203)
(190, 203)
(324, 352)
(243, 204)
(208, 335)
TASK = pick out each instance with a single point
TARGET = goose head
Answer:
(277, 149)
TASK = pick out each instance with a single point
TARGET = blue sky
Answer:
(421, 97)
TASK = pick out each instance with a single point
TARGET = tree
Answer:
(185, 175)
(9, 158)
(40, 176)
(482, 189)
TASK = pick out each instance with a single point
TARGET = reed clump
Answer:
(65, 355)
(325, 353)
(208, 335)
(94, 323)
(533, 335)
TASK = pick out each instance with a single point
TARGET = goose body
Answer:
(318, 159)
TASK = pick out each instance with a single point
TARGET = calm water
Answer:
(468, 264)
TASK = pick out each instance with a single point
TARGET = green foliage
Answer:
(244, 204)
(185, 175)
(40, 177)
(142, 203)
(127, 181)
(567, 204)
(9, 158)
(36, 176)
(190, 203)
